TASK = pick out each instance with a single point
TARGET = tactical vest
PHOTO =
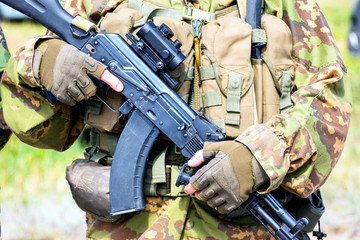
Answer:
(218, 75)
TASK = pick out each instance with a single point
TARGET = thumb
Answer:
(111, 80)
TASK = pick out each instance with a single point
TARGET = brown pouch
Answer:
(274, 73)
(121, 21)
(102, 117)
(89, 184)
(227, 76)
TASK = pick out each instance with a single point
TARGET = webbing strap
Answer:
(285, 99)
(195, 100)
(211, 99)
(172, 190)
(207, 72)
(270, 66)
(158, 168)
(258, 35)
(104, 141)
(190, 13)
(233, 99)
(190, 74)
(94, 154)
(136, 5)
(157, 12)
(187, 13)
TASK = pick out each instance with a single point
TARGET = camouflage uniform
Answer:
(4, 57)
(297, 149)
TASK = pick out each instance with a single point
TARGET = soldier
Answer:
(5, 132)
(286, 115)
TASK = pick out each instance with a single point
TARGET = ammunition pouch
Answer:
(163, 168)
(89, 185)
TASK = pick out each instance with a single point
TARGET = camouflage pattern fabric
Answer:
(5, 132)
(303, 145)
(43, 120)
(298, 149)
(176, 218)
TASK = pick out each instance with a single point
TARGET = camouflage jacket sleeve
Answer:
(299, 149)
(92, 10)
(5, 132)
(28, 113)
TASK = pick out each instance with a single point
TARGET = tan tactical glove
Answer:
(229, 176)
(64, 71)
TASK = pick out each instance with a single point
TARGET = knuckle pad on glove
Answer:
(216, 201)
(74, 91)
(82, 81)
(206, 194)
(227, 208)
(65, 99)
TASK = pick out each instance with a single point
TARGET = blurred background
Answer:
(35, 199)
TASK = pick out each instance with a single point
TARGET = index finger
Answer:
(111, 80)
(197, 159)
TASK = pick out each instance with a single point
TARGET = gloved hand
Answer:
(228, 177)
(64, 71)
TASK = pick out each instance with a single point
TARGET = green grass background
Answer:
(27, 173)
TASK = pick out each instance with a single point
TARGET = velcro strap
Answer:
(233, 99)
(190, 74)
(158, 168)
(104, 141)
(84, 24)
(258, 35)
(207, 72)
(157, 12)
(211, 99)
(190, 13)
(285, 99)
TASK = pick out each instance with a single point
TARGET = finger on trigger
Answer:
(197, 159)
(112, 81)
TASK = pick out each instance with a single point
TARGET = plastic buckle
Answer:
(190, 13)
(174, 190)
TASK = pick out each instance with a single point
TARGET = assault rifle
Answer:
(152, 104)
